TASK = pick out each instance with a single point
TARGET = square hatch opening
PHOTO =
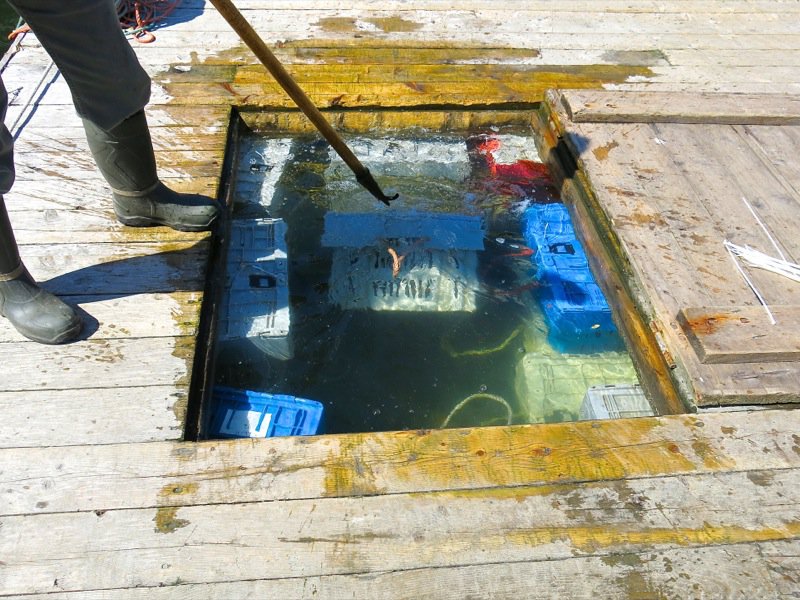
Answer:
(467, 302)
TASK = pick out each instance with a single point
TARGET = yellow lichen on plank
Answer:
(596, 538)
(354, 80)
(386, 94)
(166, 520)
(508, 455)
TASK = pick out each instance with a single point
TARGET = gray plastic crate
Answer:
(436, 252)
(255, 304)
(615, 402)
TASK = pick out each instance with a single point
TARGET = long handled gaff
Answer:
(274, 66)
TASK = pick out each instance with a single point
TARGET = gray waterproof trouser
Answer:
(84, 39)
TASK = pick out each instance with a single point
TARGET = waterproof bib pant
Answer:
(109, 90)
(34, 312)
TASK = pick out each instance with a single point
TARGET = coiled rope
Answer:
(136, 17)
(480, 395)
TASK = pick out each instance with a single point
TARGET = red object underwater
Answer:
(521, 178)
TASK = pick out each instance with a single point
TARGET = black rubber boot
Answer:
(125, 157)
(35, 313)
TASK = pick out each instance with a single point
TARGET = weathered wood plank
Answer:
(516, 84)
(205, 544)
(744, 334)
(325, 53)
(158, 115)
(594, 106)
(649, 6)
(662, 181)
(722, 167)
(213, 472)
(663, 39)
(513, 88)
(91, 195)
(80, 165)
(680, 57)
(97, 363)
(101, 363)
(131, 316)
(731, 571)
(422, 23)
(96, 416)
(783, 561)
(728, 87)
(72, 139)
(310, 74)
(83, 269)
(64, 226)
(778, 147)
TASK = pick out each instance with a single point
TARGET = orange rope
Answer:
(18, 31)
(137, 17)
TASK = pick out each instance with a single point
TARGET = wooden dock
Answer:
(668, 114)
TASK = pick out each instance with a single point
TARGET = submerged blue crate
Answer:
(575, 309)
(545, 224)
(578, 316)
(244, 413)
(566, 260)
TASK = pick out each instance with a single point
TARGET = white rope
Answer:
(759, 260)
(755, 258)
(730, 248)
(764, 227)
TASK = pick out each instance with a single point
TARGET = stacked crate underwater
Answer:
(434, 267)
(255, 303)
(575, 309)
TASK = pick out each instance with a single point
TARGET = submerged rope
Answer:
(447, 346)
(469, 399)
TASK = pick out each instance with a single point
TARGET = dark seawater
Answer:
(373, 367)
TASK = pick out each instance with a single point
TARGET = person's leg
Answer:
(124, 155)
(34, 312)
(109, 89)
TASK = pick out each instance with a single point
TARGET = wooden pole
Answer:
(249, 36)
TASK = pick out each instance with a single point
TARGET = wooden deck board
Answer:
(100, 497)
(672, 193)
(73, 417)
(730, 571)
(199, 544)
(222, 471)
(593, 106)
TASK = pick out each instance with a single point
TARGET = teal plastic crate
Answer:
(249, 414)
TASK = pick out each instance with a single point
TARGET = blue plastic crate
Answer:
(578, 316)
(244, 413)
(575, 309)
(564, 260)
(546, 224)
